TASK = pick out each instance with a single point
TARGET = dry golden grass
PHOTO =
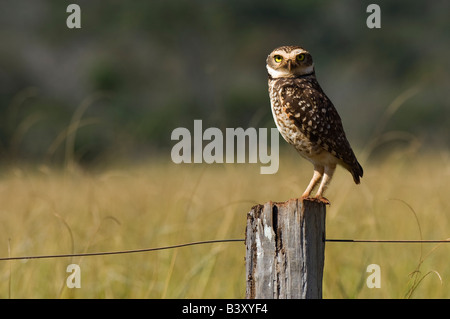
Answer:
(45, 211)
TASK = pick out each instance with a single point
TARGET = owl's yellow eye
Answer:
(278, 58)
(300, 57)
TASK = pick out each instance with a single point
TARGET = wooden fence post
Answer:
(285, 245)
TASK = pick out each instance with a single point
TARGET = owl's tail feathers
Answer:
(357, 172)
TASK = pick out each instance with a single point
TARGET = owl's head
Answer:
(289, 62)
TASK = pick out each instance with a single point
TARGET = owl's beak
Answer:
(289, 63)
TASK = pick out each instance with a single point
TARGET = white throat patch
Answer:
(285, 73)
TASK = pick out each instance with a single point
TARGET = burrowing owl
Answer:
(306, 118)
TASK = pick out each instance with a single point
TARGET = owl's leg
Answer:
(328, 174)
(318, 172)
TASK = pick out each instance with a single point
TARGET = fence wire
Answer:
(143, 250)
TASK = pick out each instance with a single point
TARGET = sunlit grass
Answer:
(49, 211)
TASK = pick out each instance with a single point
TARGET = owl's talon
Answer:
(317, 199)
(321, 199)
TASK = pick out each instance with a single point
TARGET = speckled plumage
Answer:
(306, 118)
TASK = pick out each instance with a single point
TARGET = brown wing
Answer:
(316, 117)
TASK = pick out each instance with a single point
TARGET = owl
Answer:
(307, 119)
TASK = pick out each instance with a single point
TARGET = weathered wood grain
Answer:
(285, 244)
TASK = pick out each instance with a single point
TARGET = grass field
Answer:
(48, 211)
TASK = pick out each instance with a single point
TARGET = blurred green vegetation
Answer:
(140, 69)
